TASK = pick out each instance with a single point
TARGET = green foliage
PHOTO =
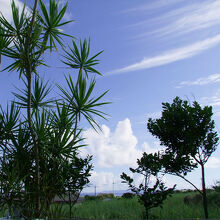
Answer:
(216, 186)
(173, 208)
(79, 101)
(113, 209)
(105, 196)
(99, 197)
(40, 149)
(214, 199)
(79, 59)
(187, 132)
(193, 199)
(150, 197)
(128, 195)
(51, 21)
(57, 211)
(40, 92)
(90, 198)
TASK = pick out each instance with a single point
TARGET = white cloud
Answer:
(5, 8)
(149, 6)
(191, 16)
(194, 17)
(170, 56)
(105, 181)
(213, 100)
(101, 180)
(117, 148)
(214, 78)
(148, 149)
(213, 162)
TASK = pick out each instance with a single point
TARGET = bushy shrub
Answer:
(102, 196)
(90, 198)
(127, 195)
(214, 199)
(216, 187)
(192, 199)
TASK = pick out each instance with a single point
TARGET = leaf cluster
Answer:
(187, 132)
(148, 165)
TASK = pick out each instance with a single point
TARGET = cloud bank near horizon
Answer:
(119, 148)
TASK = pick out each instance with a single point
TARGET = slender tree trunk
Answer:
(147, 213)
(29, 73)
(70, 205)
(36, 149)
(204, 197)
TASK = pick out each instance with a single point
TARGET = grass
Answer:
(114, 209)
(119, 208)
(173, 208)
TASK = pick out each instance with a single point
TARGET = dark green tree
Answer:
(80, 168)
(150, 197)
(187, 132)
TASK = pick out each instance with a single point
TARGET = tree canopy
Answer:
(188, 134)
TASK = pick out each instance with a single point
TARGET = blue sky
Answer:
(153, 52)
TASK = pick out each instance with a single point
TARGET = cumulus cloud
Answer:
(113, 148)
(214, 78)
(102, 178)
(5, 8)
(170, 56)
(117, 148)
(104, 181)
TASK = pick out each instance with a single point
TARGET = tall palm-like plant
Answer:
(48, 135)
(30, 34)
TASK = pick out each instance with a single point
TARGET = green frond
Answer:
(79, 58)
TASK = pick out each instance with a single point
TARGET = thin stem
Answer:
(189, 183)
(29, 73)
(204, 196)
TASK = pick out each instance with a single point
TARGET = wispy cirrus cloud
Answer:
(212, 100)
(170, 56)
(190, 17)
(194, 17)
(152, 6)
(214, 78)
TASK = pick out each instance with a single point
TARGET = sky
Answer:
(153, 52)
